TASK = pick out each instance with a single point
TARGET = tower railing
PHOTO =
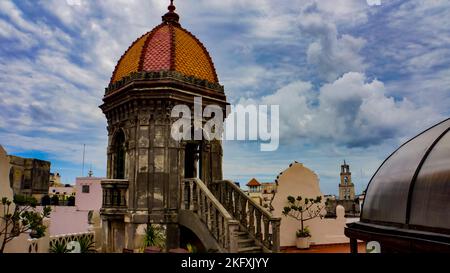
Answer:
(196, 197)
(261, 225)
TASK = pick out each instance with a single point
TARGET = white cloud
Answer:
(330, 53)
(53, 72)
(351, 111)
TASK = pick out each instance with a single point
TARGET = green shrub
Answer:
(154, 236)
(87, 245)
(59, 247)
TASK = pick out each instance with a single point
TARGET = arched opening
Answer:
(119, 152)
(25, 185)
(11, 178)
(192, 160)
(187, 237)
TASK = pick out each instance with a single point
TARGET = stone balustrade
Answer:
(65, 239)
(114, 195)
(252, 217)
(44, 245)
(196, 197)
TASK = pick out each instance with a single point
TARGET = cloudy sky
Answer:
(353, 79)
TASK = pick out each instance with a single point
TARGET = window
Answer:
(85, 189)
(119, 161)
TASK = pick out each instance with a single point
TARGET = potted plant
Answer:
(154, 239)
(303, 238)
(302, 210)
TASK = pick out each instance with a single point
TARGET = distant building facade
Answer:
(261, 193)
(254, 190)
(55, 180)
(89, 193)
(268, 191)
(29, 176)
(63, 193)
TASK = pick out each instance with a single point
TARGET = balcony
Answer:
(114, 196)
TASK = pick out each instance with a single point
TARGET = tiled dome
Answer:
(167, 47)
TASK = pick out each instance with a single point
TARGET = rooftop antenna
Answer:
(91, 173)
(84, 154)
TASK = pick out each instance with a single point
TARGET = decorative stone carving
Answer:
(163, 75)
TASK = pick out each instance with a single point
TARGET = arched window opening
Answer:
(119, 150)
(192, 162)
(11, 178)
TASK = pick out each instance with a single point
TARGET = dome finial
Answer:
(171, 17)
(171, 7)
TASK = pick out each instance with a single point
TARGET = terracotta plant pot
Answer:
(152, 249)
(302, 242)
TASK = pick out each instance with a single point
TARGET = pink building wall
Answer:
(93, 199)
(65, 220)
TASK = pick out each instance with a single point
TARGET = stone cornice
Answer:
(163, 75)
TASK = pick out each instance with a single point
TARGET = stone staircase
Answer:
(246, 244)
(236, 222)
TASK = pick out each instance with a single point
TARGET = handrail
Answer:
(196, 197)
(214, 201)
(249, 199)
(261, 225)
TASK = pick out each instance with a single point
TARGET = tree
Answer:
(20, 216)
(55, 200)
(71, 201)
(304, 209)
(45, 201)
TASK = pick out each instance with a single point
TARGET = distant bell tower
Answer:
(346, 187)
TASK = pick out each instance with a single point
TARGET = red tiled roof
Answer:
(253, 183)
(167, 47)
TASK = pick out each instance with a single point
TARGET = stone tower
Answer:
(346, 187)
(165, 67)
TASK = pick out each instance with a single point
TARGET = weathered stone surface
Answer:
(5, 187)
(29, 176)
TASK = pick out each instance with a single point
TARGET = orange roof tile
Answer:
(253, 183)
(167, 47)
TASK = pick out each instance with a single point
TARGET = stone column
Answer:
(106, 242)
(173, 236)
(130, 234)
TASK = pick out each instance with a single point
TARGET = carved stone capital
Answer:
(206, 147)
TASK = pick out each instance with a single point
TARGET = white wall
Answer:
(299, 180)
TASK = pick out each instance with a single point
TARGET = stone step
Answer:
(246, 242)
(243, 235)
(251, 249)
